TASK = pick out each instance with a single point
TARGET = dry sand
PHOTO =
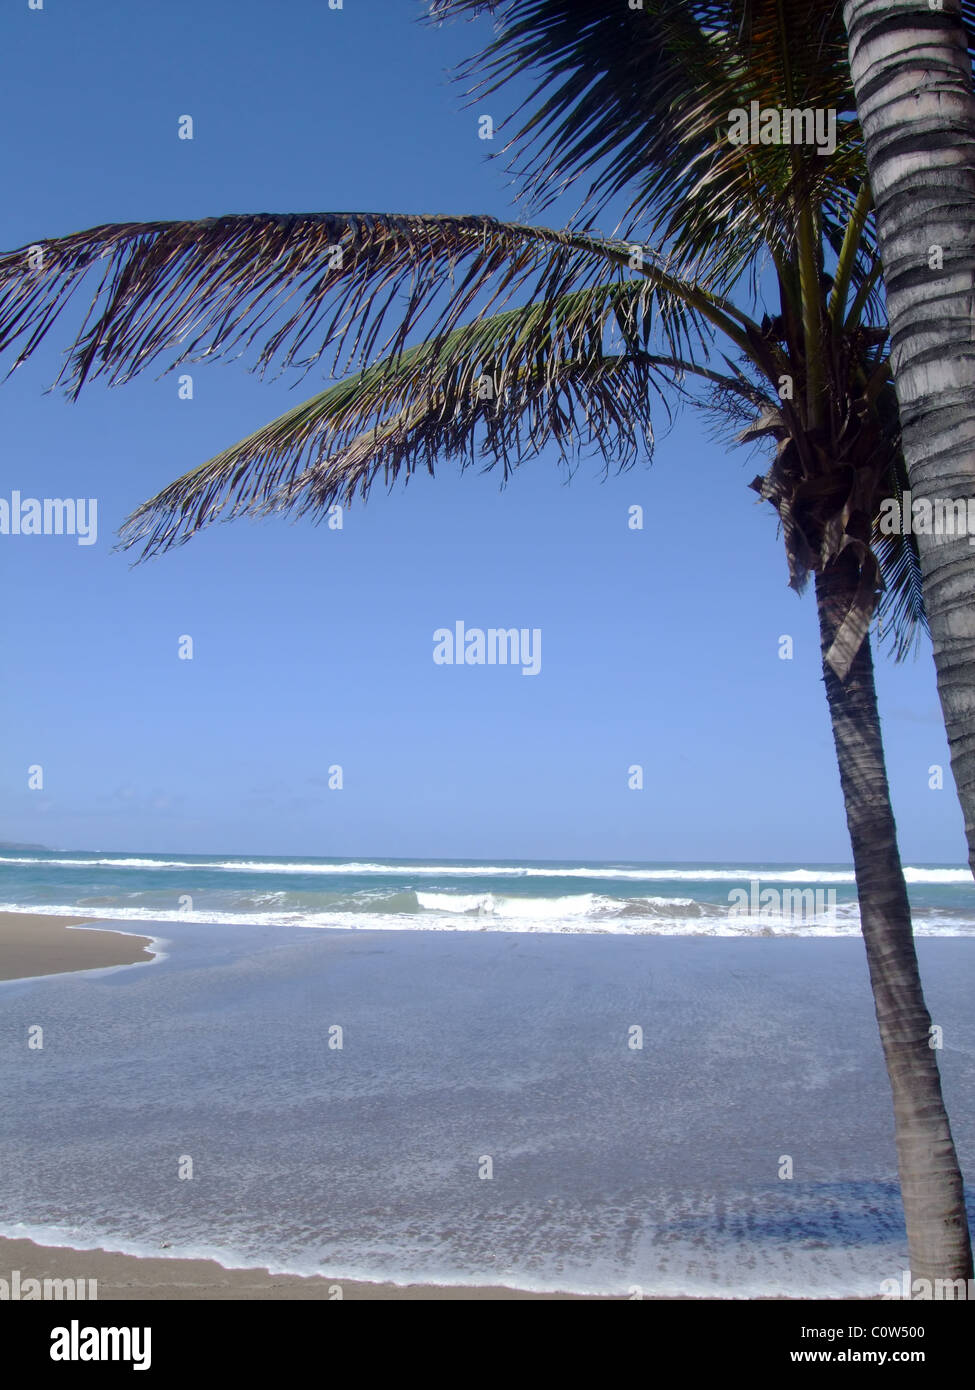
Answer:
(32, 945)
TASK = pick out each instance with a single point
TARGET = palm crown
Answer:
(458, 337)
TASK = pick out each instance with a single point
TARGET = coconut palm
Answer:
(913, 83)
(468, 338)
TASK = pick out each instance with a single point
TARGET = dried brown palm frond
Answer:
(293, 287)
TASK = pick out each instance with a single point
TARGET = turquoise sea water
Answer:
(445, 895)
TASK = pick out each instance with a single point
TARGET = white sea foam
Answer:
(824, 1274)
(704, 921)
(492, 905)
(703, 873)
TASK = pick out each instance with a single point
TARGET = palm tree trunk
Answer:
(913, 82)
(930, 1178)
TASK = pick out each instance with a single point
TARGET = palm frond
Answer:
(637, 101)
(901, 612)
(579, 373)
(358, 284)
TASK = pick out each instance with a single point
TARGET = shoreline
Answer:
(156, 1279)
(150, 1279)
(36, 945)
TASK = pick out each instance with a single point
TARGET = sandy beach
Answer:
(132, 1277)
(33, 945)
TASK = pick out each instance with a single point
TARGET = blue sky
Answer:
(314, 647)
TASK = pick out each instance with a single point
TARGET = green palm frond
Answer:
(579, 373)
(901, 611)
(637, 101)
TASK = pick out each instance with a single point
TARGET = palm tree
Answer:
(467, 337)
(913, 82)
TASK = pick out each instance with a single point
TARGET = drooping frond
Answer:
(291, 287)
(580, 373)
(901, 613)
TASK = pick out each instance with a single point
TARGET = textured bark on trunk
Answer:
(912, 78)
(930, 1178)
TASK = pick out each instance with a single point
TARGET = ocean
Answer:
(668, 899)
(470, 1074)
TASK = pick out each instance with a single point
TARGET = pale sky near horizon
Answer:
(313, 647)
